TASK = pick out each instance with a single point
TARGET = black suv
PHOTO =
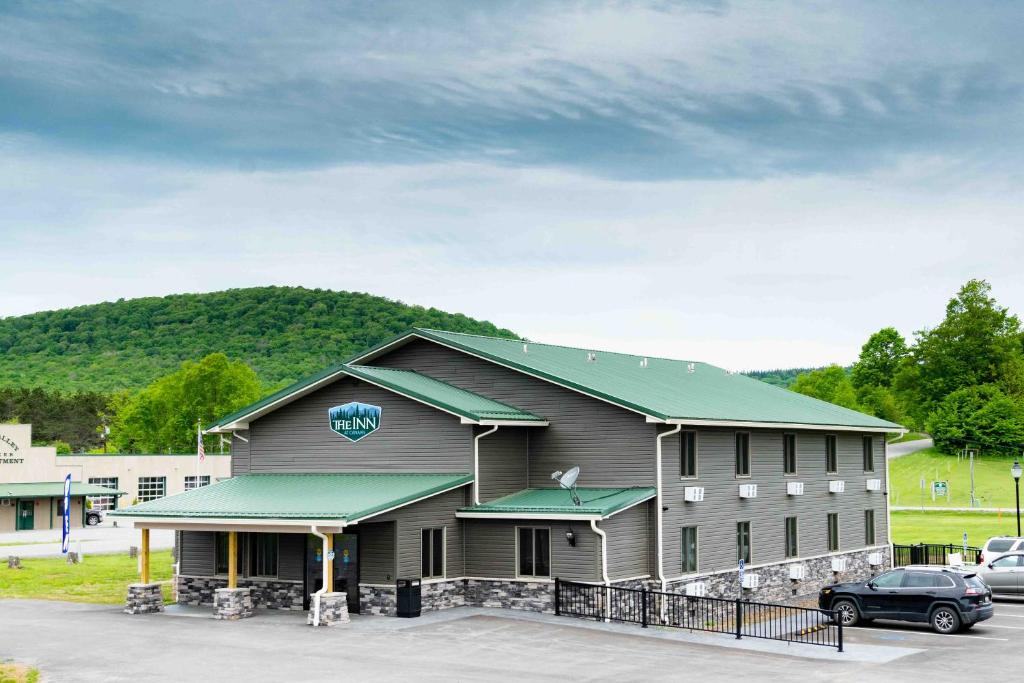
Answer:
(949, 599)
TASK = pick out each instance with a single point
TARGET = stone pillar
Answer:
(144, 598)
(232, 603)
(333, 609)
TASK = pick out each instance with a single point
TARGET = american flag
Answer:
(201, 452)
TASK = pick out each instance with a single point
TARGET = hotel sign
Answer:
(354, 420)
(10, 451)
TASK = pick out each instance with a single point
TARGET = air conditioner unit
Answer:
(751, 581)
(875, 559)
(797, 572)
(839, 564)
(696, 589)
(693, 494)
(874, 484)
(748, 490)
(836, 486)
(794, 488)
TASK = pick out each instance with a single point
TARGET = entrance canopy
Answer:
(54, 489)
(595, 503)
(275, 502)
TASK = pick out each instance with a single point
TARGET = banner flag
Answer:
(66, 536)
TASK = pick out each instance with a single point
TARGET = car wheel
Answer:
(945, 620)
(92, 520)
(846, 612)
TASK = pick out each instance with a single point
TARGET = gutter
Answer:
(325, 587)
(604, 568)
(476, 462)
(657, 499)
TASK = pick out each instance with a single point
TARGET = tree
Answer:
(880, 358)
(830, 384)
(980, 415)
(164, 416)
(968, 348)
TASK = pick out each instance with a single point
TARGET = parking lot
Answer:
(103, 538)
(102, 644)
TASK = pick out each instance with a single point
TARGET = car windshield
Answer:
(1000, 545)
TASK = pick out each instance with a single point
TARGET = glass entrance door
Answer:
(346, 568)
(26, 515)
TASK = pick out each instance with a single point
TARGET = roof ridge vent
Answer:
(591, 357)
(691, 367)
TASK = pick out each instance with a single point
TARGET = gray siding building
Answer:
(431, 457)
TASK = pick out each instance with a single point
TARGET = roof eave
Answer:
(755, 424)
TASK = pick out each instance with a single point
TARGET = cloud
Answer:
(659, 90)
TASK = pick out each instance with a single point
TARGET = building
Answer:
(32, 480)
(431, 457)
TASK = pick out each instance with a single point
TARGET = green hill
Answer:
(780, 378)
(282, 332)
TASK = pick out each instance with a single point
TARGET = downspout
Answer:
(604, 568)
(324, 588)
(888, 513)
(476, 462)
(657, 499)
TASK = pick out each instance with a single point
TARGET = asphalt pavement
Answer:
(103, 538)
(897, 450)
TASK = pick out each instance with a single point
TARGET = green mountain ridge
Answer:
(282, 332)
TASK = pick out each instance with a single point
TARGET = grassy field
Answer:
(910, 436)
(100, 578)
(12, 672)
(993, 484)
(948, 527)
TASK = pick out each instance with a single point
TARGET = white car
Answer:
(1004, 574)
(1000, 545)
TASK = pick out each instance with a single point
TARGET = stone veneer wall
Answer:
(269, 593)
(378, 600)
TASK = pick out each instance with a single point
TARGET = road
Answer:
(103, 538)
(898, 450)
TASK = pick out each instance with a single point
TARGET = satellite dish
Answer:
(567, 481)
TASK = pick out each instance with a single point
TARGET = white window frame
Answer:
(735, 457)
(444, 552)
(138, 495)
(199, 479)
(550, 557)
(696, 454)
(109, 502)
(796, 455)
(835, 440)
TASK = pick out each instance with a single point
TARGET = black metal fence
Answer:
(739, 618)
(932, 553)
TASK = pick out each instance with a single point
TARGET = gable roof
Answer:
(557, 503)
(663, 389)
(471, 408)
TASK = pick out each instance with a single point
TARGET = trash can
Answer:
(408, 597)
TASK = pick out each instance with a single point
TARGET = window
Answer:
(262, 554)
(869, 453)
(688, 454)
(104, 502)
(742, 454)
(831, 461)
(792, 544)
(432, 553)
(889, 579)
(789, 453)
(999, 545)
(60, 507)
(151, 488)
(534, 549)
(743, 541)
(221, 553)
(833, 531)
(194, 482)
(927, 580)
(1006, 562)
(689, 549)
(869, 527)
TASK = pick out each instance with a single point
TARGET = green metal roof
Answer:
(347, 497)
(660, 387)
(54, 489)
(406, 383)
(594, 502)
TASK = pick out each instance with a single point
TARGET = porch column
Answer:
(144, 557)
(232, 559)
(329, 565)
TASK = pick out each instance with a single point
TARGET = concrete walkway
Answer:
(101, 539)
(898, 450)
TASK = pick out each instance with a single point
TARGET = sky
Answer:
(755, 185)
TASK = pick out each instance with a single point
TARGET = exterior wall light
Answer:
(570, 536)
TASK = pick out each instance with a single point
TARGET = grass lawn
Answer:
(948, 527)
(100, 578)
(12, 672)
(993, 484)
(910, 436)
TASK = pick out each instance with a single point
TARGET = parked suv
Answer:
(1004, 574)
(999, 545)
(947, 598)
